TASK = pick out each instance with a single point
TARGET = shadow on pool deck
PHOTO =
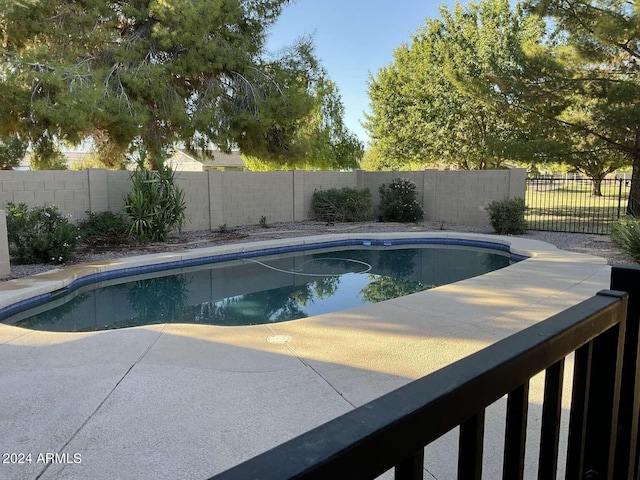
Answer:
(186, 401)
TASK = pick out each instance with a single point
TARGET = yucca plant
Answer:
(155, 206)
(625, 233)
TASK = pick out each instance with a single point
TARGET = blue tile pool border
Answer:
(32, 302)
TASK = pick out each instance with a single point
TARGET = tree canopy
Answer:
(46, 155)
(547, 81)
(154, 73)
(420, 114)
(322, 140)
(577, 90)
(12, 150)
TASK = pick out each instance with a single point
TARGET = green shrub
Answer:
(39, 235)
(155, 206)
(398, 201)
(263, 222)
(507, 216)
(625, 233)
(342, 205)
(103, 227)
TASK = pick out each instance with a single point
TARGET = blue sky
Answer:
(352, 38)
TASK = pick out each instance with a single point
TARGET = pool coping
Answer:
(23, 293)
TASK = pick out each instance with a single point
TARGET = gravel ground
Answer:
(599, 245)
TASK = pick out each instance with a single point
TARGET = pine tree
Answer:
(152, 72)
(12, 150)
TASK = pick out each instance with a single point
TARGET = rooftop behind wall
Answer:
(216, 198)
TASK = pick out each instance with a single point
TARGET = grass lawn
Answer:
(568, 206)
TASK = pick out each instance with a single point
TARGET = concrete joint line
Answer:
(306, 364)
(142, 355)
(16, 338)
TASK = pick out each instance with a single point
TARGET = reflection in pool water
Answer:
(262, 290)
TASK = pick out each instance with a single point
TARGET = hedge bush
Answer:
(342, 205)
(103, 227)
(507, 216)
(625, 233)
(398, 201)
(39, 234)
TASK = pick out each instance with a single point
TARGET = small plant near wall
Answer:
(625, 233)
(399, 202)
(507, 216)
(39, 234)
(103, 228)
(342, 205)
(155, 206)
(263, 222)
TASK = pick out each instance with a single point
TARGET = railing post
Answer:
(551, 413)
(578, 412)
(516, 432)
(593, 425)
(411, 468)
(470, 447)
(605, 400)
(627, 279)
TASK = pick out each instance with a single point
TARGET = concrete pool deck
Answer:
(187, 401)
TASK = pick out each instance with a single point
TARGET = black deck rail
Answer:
(392, 431)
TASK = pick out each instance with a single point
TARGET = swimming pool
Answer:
(261, 286)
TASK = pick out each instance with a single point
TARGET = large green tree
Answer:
(419, 112)
(330, 144)
(579, 90)
(12, 150)
(322, 141)
(46, 154)
(154, 72)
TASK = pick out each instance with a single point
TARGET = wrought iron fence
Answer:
(392, 431)
(572, 205)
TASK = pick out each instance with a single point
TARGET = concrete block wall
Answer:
(118, 185)
(69, 190)
(98, 190)
(242, 198)
(195, 186)
(517, 182)
(215, 198)
(462, 196)
(468, 205)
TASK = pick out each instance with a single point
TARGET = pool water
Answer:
(262, 289)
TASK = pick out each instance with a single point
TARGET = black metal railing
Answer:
(572, 205)
(392, 431)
